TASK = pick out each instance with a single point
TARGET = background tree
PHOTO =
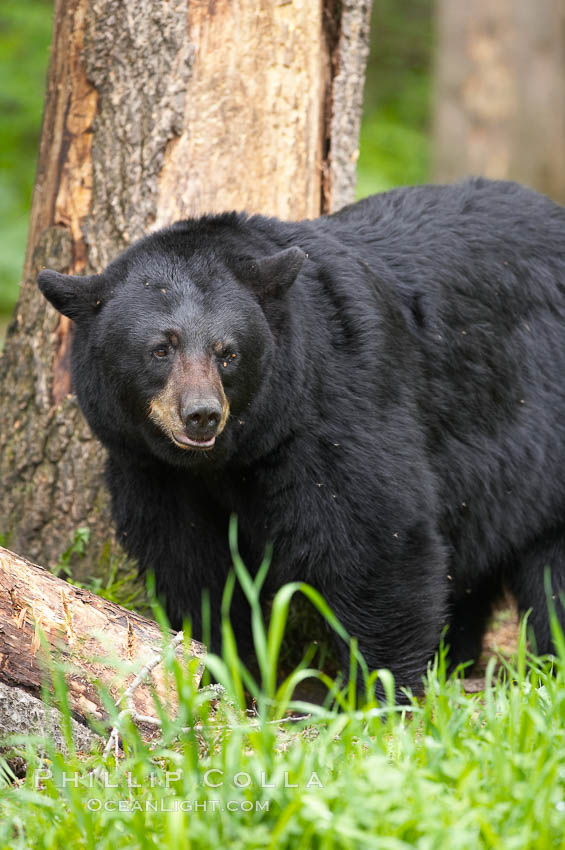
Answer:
(394, 145)
(500, 93)
(156, 111)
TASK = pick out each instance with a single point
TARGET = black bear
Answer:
(378, 393)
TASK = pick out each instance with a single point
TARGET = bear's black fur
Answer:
(379, 393)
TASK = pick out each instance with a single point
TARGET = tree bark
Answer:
(96, 640)
(500, 92)
(157, 111)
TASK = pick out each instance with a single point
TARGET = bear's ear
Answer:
(272, 276)
(75, 296)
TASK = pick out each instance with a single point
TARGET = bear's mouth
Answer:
(185, 442)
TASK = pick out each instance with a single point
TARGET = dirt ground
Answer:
(501, 639)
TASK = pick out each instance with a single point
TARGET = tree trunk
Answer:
(85, 632)
(500, 92)
(156, 111)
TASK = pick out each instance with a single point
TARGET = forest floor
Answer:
(500, 641)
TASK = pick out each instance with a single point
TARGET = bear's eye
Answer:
(161, 351)
(227, 358)
(225, 354)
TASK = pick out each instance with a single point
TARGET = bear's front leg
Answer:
(166, 520)
(396, 608)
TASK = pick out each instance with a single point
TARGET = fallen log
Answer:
(97, 641)
(23, 714)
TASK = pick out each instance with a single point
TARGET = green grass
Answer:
(457, 772)
(449, 770)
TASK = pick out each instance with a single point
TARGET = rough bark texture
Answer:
(155, 111)
(96, 640)
(500, 94)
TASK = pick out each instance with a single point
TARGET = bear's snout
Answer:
(192, 409)
(201, 418)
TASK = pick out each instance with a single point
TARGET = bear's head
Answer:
(174, 342)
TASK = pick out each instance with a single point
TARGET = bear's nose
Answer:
(201, 418)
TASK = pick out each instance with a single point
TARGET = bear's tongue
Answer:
(186, 442)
